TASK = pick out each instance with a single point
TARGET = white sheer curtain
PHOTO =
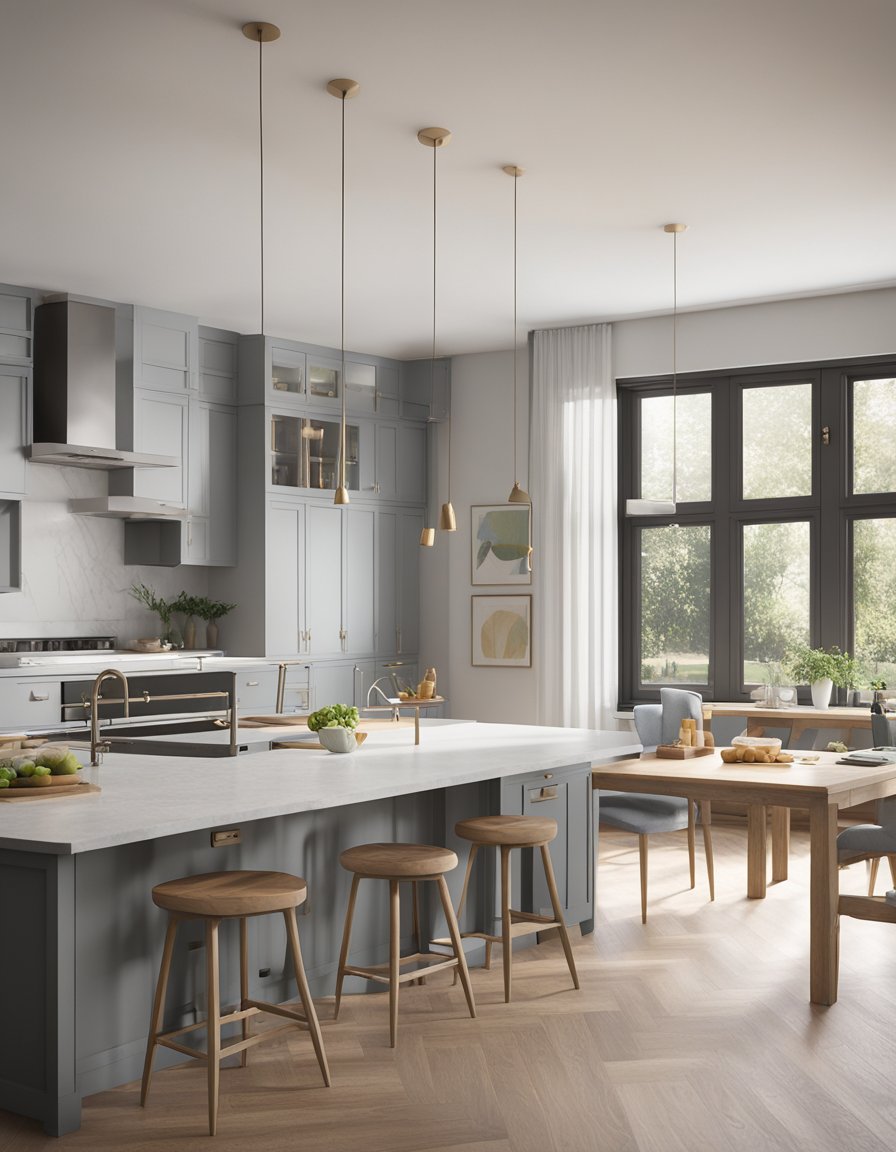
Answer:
(573, 487)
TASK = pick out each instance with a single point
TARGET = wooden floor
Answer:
(693, 1032)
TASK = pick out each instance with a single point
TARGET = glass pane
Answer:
(693, 420)
(776, 595)
(777, 441)
(873, 421)
(874, 596)
(323, 381)
(287, 373)
(305, 453)
(675, 605)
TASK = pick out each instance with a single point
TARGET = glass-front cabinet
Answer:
(305, 453)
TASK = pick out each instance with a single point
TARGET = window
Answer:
(784, 532)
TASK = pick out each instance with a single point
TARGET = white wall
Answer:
(74, 580)
(482, 473)
(814, 328)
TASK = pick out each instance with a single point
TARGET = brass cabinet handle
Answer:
(549, 793)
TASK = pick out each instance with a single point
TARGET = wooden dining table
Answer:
(821, 787)
(851, 725)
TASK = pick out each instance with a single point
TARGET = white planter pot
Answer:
(338, 739)
(821, 692)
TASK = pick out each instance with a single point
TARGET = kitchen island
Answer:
(76, 875)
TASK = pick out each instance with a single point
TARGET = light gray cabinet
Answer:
(426, 389)
(10, 545)
(398, 581)
(319, 580)
(218, 356)
(16, 324)
(160, 426)
(166, 351)
(563, 794)
(15, 391)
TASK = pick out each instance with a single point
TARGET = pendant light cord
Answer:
(674, 366)
(342, 309)
(261, 171)
(432, 362)
(516, 478)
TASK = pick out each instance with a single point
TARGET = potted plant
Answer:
(211, 612)
(157, 604)
(188, 606)
(821, 669)
(335, 727)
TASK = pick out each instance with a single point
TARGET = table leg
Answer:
(824, 924)
(780, 843)
(757, 850)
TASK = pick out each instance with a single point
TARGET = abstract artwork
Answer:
(502, 631)
(500, 544)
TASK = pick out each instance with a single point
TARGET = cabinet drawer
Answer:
(30, 703)
(256, 690)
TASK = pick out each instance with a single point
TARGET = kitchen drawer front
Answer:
(256, 690)
(30, 703)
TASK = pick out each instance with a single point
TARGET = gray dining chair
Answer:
(645, 814)
(873, 841)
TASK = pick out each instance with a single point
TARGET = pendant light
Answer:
(343, 90)
(517, 495)
(262, 33)
(667, 507)
(436, 138)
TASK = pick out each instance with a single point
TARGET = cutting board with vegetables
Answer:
(79, 788)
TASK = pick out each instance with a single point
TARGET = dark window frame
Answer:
(831, 511)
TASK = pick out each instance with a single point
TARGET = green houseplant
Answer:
(211, 612)
(188, 606)
(821, 669)
(144, 595)
(335, 727)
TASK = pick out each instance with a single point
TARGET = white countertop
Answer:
(69, 665)
(145, 797)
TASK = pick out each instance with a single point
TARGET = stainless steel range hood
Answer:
(75, 390)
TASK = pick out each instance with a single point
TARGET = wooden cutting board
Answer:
(80, 789)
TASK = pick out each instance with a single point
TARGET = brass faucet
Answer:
(107, 673)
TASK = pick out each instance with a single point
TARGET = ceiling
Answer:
(129, 137)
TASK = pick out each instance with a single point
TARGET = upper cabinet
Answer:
(166, 351)
(426, 389)
(14, 399)
(218, 365)
(16, 324)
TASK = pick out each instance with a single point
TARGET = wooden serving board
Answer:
(282, 721)
(681, 751)
(82, 788)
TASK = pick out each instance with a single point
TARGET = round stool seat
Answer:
(518, 831)
(223, 894)
(398, 861)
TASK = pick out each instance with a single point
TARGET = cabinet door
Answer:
(410, 480)
(16, 324)
(360, 388)
(217, 365)
(386, 461)
(387, 583)
(408, 553)
(323, 579)
(387, 396)
(360, 585)
(221, 426)
(160, 427)
(284, 626)
(166, 350)
(13, 429)
(324, 384)
(287, 379)
(331, 684)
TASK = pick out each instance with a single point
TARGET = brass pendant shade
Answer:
(667, 507)
(447, 520)
(343, 89)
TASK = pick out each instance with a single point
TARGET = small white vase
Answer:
(338, 739)
(821, 692)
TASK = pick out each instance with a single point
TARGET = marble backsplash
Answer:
(74, 579)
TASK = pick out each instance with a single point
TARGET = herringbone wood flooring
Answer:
(691, 1033)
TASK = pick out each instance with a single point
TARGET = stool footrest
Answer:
(426, 961)
(535, 924)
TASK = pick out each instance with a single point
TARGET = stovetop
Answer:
(83, 644)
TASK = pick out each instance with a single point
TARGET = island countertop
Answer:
(145, 797)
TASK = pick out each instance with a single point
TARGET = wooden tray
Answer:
(81, 788)
(681, 751)
(284, 720)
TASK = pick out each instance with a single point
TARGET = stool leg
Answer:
(642, 860)
(416, 914)
(457, 944)
(346, 936)
(394, 956)
(213, 1022)
(158, 1006)
(558, 912)
(692, 843)
(506, 938)
(292, 932)
(705, 822)
(244, 985)
(474, 848)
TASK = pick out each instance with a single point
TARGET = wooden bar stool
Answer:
(213, 897)
(397, 862)
(507, 833)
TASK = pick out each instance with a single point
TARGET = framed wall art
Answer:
(502, 631)
(499, 539)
